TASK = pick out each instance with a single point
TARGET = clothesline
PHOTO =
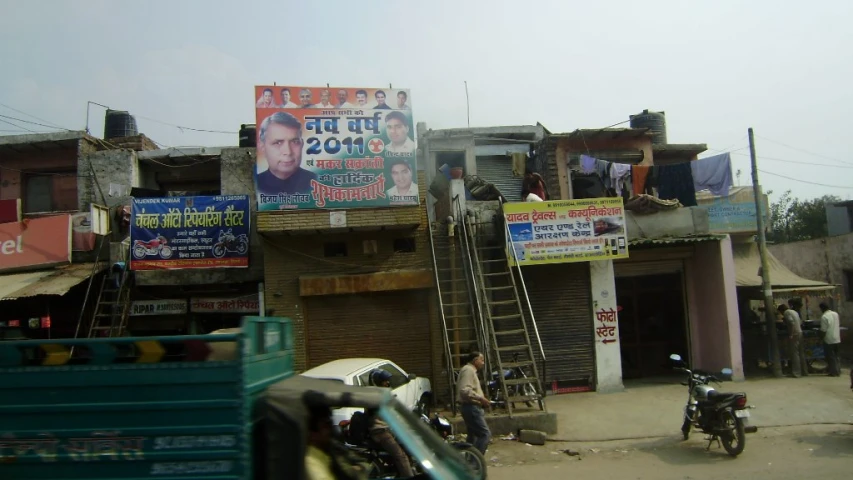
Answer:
(678, 181)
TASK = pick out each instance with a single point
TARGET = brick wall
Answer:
(286, 258)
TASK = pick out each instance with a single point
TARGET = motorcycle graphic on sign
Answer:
(158, 246)
(228, 242)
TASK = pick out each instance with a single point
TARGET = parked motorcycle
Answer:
(723, 416)
(517, 390)
(382, 463)
(230, 243)
(156, 246)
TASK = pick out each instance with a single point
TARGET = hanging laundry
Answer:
(602, 167)
(519, 161)
(676, 182)
(639, 174)
(587, 164)
(620, 175)
(713, 173)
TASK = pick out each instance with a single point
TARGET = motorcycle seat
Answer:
(719, 397)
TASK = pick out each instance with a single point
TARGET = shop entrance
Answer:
(652, 323)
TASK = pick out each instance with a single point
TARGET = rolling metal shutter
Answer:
(562, 305)
(389, 325)
(498, 170)
(638, 269)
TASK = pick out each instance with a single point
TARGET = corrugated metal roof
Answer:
(57, 281)
(675, 240)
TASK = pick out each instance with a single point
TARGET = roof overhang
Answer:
(663, 241)
(748, 266)
(57, 281)
(674, 151)
(41, 142)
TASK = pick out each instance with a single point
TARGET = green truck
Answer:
(175, 408)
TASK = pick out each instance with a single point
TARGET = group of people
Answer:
(830, 328)
(306, 99)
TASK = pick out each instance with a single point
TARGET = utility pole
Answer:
(766, 288)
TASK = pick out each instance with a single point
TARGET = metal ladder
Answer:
(113, 307)
(508, 330)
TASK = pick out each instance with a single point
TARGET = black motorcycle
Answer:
(381, 462)
(228, 242)
(723, 416)
(519, 389)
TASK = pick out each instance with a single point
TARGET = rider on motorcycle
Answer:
(381, 434)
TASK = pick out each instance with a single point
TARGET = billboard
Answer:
(334, 148)
(566, 231)
(190, 232)
(734, 213)
(35, 242)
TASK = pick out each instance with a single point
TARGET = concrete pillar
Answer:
(608, 358)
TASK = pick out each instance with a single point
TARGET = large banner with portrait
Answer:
(190, 232)
(566, 231)
(334, 148)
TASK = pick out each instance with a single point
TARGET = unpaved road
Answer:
(821, 451)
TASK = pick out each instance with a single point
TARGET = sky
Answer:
(716, 68)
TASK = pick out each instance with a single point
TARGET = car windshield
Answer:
(438, 459)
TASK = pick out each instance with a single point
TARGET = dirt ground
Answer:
(818, 451)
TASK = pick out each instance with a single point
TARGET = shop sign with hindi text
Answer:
(566, 231)
(331, 148)
(190, 232)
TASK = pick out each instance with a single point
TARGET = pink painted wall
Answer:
(712, 306)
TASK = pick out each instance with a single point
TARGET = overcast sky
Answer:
(782, 67)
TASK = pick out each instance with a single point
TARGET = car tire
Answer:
(425, 405)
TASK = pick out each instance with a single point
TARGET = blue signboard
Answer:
(190, 232)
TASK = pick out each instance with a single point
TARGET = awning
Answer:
(748, 263)
(57, 281)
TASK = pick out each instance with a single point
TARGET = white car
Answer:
(412, 391)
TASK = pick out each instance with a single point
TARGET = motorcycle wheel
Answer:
(166, 252)
(139, 252)
(219, 250)
(475, 461)
(242, 248)
(734, 440)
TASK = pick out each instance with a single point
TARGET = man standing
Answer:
(831, 328)
(325, 100)
(285, 99)
(401, 173)
(281, 146)
(397, 128)
(343, 99)
(380, 101)
(795, 340)
(470, 395)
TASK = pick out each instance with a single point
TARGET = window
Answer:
(848, 284)
(50, 193)
(397, 377)
(335, 249)
(404, 245)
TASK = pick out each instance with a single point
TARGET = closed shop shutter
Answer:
(498, 170)
(562, 305)
(638, 269)
(389, 325)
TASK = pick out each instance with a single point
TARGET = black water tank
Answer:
(248, 135)
(119, 124)
(654, 121)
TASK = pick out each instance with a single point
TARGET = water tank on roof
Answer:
(248, 135)
(119, 124)
(654, 121)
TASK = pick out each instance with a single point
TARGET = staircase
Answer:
(113, 307)
(508, 328)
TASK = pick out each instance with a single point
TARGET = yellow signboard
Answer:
(566, 231)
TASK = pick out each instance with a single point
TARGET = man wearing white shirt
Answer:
(831, 328)
(285, 99)
(397, 127)
(343, 99)
(325, 97)
(401, 173)
(361, 98)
